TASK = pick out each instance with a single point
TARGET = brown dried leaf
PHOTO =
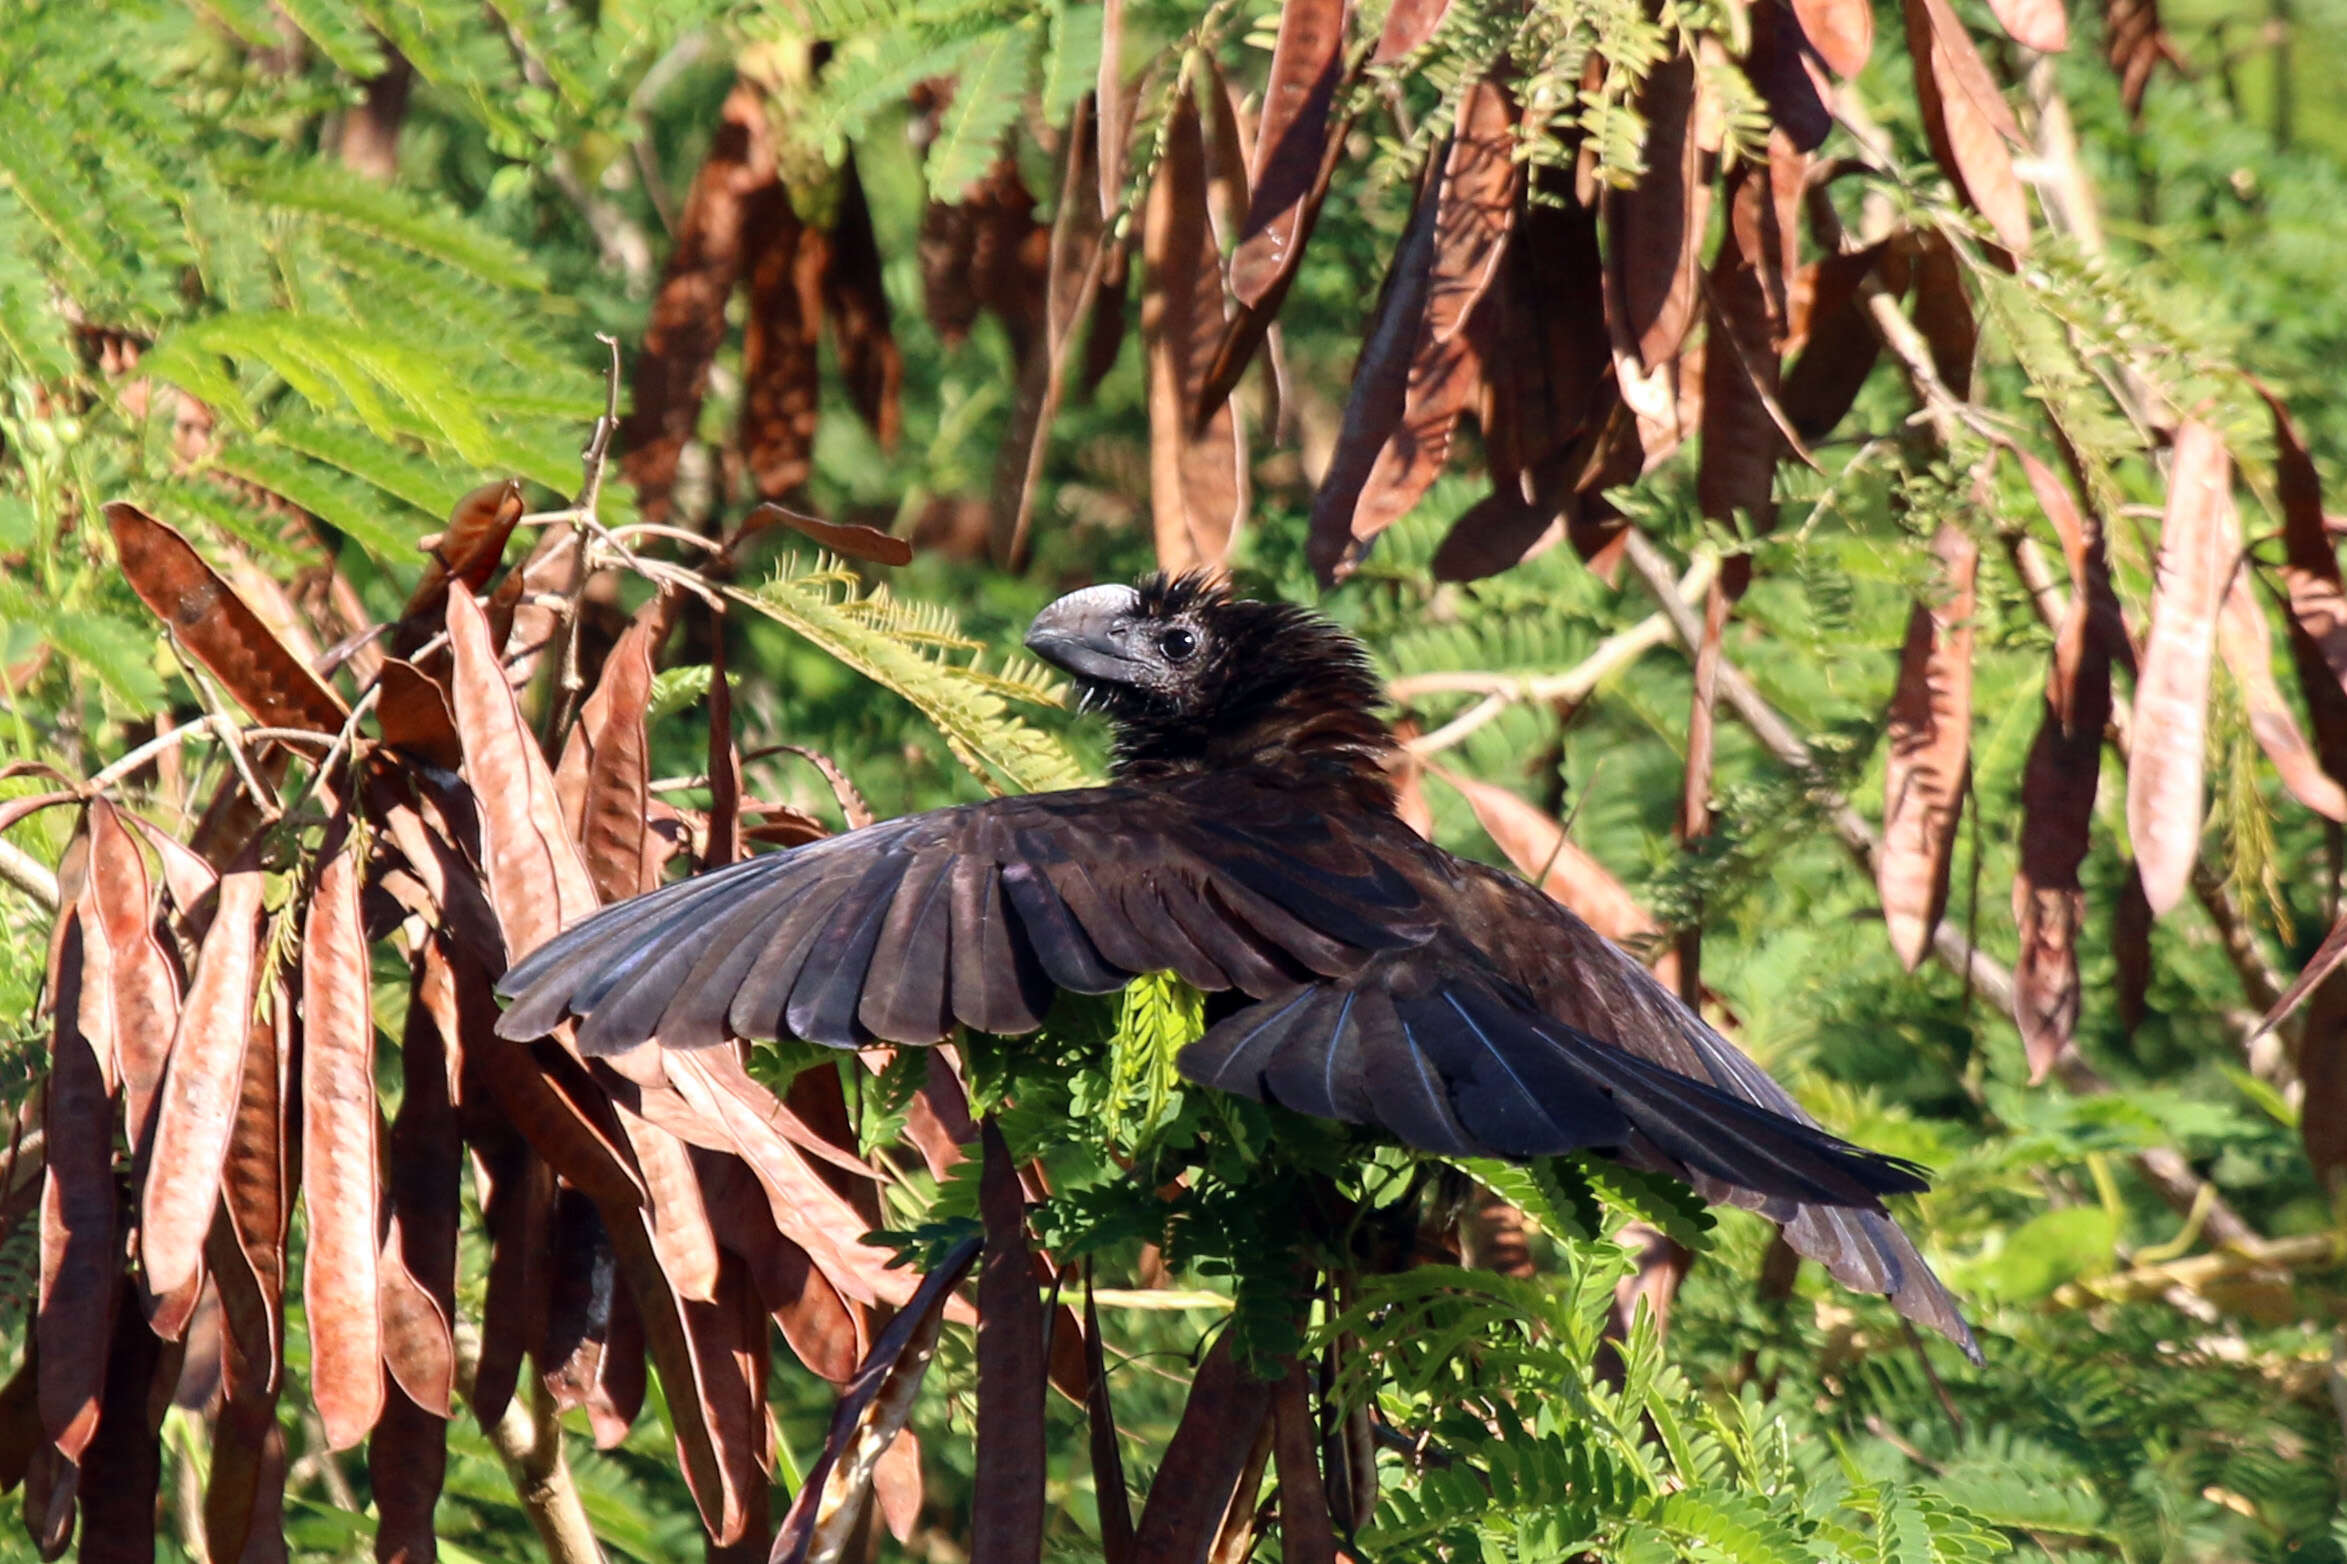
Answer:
(257, 1184)
(1409, 26)
(144, 981)
(1197, 468)
(1307, 61)
(1965, 117)
(851, 540)
(338, 1125)
(2246, 643)
(855, 304)
(1655, 228)
(52, 1485)
(1539, 848)
(123, 1467)
(721, 835)
(1787, 75)
(1836, 340)
(2043, 25)
(198, 1098)
(1230, 146)
(679, 1227)
(413, 714)
(785, 263)
(604, 781)
(2164, 794)
(536, 881)
(1307, 1533)
(1942, 312)
(425, 1173)
(73, 1328)
(1842, 32)
(407, 1462)
(2311, 578)
(2319, 966)
(2058, 789)
(1227, 1408)
(2135, 45)
(468, 553)
(518, 1211)
(871, 1411)
(688, 314)
(700, 1379)
(218, 628)
(1007, 1495)
(808, 1210)
(1736, 473)
(562, 1116)
(1475, 209)
(1380, 389)
(2322, 1070)
(1930, 735)
(826, 1331)
(1108, 1462)
(579, 1301)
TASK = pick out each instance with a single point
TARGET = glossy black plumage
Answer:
(1248, 844)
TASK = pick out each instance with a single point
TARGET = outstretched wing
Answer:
(1444, 1055)
(977, 915)
(1439, 1050)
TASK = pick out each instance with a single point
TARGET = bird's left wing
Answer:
(976, 914)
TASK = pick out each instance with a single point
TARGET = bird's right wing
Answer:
(976, 915)
(1432, 1046)
(1429, 1044)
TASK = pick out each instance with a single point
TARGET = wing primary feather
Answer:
(756, 1009)
(696, 1014)
(1408, 1095)
(1225, 1057)
(1143, 902)
(1068, 954)
(830, 986)
(905, 989)
(1103, 917)
(995, 978)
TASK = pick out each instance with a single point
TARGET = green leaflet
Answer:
(993, 85)
(918, 651)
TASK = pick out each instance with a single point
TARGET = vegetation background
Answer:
(299, 278)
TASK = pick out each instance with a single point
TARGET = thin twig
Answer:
(1501, 690)
(225, 727)
(528, 1440)
(2301, 1252)
(28, 874)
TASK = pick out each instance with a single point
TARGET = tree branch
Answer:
(528, 1440)
(1502, 690)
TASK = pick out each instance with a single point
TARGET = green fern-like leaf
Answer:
(829, 606)
(331, 196)
(1735, 1527)
(1660, 1202)
(987, 99)
(353, 509)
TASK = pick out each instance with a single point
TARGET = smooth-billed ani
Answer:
(1249, 844)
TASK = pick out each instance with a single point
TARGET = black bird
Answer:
(1249, 844)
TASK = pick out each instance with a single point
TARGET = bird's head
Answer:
(1196, 679)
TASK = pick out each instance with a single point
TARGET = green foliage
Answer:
(351, 356)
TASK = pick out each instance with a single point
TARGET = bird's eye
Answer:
(1177, 644)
